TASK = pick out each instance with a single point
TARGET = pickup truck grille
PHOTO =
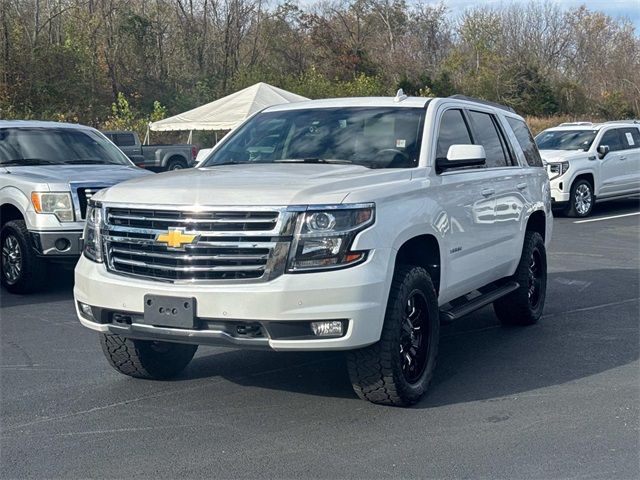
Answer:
(221, 245)
(84, 195)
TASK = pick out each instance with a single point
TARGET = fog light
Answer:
(327, 328)
(62, 244)
(87, 312)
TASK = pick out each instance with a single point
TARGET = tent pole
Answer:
(146, 137)
(216, 136)
(190, 136)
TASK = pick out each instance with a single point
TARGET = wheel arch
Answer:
(537, 222)
(422, 250)
(588, 176)
(9, 212)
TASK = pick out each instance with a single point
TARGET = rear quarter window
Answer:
(526, 142)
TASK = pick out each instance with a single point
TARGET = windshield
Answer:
(366, 136)
(565, 139)
(57, 146)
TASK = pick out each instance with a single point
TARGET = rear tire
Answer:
(524, 306)
(146, 359)
(398, 369)
(176, 165)
(22, 270)
(581, 199)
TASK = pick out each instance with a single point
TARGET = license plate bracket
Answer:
(165, 311)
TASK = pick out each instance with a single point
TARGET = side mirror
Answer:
(602, 151)
(462, 156)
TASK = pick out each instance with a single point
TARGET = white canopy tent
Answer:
(227, 112)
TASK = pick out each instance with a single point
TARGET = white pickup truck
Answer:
(591, 161)
(348, 224)
(48, 173)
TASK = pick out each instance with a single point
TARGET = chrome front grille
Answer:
(229, 245)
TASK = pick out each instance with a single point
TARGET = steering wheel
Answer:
(393, 153)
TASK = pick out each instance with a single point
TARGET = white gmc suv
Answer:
(349, 224)
(588, 161)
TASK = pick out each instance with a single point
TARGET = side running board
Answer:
(464, 306)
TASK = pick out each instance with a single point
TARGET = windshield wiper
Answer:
(28, 161)
(86, 161)
(313, 160)
(230, 162)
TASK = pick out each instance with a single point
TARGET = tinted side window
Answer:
(453, 131)
(526, 142)
(630, 138)
(125, 139)
(487, 135)
(613, 140)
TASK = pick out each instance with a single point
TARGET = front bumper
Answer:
(560, 189)
(58, 243)
(357, 296)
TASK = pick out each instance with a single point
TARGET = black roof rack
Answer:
(485, 102)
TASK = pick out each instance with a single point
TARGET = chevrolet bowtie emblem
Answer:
(176, 238)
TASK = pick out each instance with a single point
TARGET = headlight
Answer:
(56, 203)
(92, 247)
(557, 169)
(324, 237)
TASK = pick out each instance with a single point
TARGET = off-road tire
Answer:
(518, 307)
(33, 273)
(146, 359)
(376, 371)
(572, 210)
(176, 165)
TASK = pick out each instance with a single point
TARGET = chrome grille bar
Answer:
(231, 245)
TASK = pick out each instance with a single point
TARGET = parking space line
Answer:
(607, 218)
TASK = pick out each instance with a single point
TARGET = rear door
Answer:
(631, 143)
(509, 185)
(613, 167)
(467, 197)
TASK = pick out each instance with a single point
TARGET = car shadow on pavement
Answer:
(590, 326)
(59, 287)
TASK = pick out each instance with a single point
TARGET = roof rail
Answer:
(484, 102)
(574, 124)
(624, 121)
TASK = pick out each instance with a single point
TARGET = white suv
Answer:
(347, 224)
(588, 161)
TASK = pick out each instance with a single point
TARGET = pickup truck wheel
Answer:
(524, 306)
(397, 370)
(146, 359)
(22, 270)
(581, 199)
(176, 165)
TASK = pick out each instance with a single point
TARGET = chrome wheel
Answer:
(535, 279)
(11, 259)
(583, 199)
(414, 338)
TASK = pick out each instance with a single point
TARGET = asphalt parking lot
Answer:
(560, 399)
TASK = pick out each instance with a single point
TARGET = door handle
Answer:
(521, 186)
(487, 192)
(623, 157)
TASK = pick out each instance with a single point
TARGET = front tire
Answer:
(146, 359)
(581, 199)
(524, 306)
(22, 270)
(398, 369)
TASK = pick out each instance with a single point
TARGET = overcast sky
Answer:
(614, 8)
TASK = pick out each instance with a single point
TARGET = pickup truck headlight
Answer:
(324, 237)
(558, 169)
(92, 237)
(57, 203)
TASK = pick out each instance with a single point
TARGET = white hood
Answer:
(555, 156)
(257, 184)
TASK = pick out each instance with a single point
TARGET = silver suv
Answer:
(48, 173)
